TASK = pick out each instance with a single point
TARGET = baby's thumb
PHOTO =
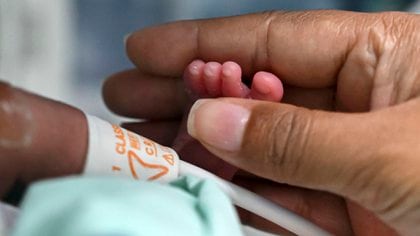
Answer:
(328, 151)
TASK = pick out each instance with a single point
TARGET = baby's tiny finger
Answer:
(266, 86)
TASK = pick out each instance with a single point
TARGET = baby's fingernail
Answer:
(227, 71)
(218, 123)
(194, 68)
(229, 68)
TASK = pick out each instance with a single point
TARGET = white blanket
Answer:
(8, 215)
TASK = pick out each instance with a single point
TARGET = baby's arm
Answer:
(39, 138)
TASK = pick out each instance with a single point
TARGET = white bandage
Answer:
(116, 151)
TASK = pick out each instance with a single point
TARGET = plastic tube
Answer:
(115, 151)
(256, 204)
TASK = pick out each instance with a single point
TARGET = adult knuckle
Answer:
(395, 38)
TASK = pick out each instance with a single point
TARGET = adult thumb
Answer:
(278, 141)
(353, 155)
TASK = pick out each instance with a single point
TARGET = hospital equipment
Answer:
(115, 151)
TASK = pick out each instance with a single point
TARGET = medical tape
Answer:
(115, 151)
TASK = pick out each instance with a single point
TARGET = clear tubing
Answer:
(109, 153)
(256, 204)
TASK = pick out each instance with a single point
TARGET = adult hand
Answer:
(359, 74)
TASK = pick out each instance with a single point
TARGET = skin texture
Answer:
(16, 123)
(41, 138)
(358, 142)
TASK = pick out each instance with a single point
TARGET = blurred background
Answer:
(64, 49)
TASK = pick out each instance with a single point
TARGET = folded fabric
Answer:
(121, 207)
(8, 215)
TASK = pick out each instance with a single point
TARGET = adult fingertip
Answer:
(218, 123)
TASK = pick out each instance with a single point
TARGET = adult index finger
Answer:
(306, 49)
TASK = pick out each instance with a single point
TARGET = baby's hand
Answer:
(210, 80)
(213, 79)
